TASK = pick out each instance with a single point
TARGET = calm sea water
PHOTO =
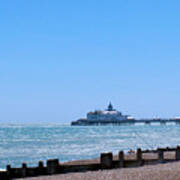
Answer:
(31, 143)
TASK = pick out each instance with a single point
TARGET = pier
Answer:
(124, 122)
(114, 117)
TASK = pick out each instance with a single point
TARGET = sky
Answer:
(61, 59)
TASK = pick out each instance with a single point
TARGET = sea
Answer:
(32, 143)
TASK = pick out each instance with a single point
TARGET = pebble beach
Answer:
(166, 171)
(169, 171)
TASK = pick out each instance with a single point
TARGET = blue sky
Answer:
(61, 59)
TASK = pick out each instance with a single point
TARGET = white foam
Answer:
(2, 170)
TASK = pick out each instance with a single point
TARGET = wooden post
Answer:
(121, 159)
(161, 155)
(8, 169)
(24, 170)
(52, 166)
(4, 176)
(106, 160)
(41, 164)
(178, 153)
(41, 168)
(139, 157)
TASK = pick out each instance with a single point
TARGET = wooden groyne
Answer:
(53, 166)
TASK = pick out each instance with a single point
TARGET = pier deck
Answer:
(133, 121)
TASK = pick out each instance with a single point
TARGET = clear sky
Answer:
(60, 59)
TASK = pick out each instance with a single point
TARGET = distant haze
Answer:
(61, 59)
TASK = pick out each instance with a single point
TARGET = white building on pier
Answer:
(109, 114)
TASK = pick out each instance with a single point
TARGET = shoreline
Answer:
(107, 163)
(141, 173)
(169, 171)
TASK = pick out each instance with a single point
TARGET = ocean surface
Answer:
(32, 143)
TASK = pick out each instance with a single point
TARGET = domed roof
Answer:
(110, 107)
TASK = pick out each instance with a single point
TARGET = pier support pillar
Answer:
(160, 156)
(163, 123)
(178, 153)
(139, 157)
(106, 160)
(52, 166)
(121, 159)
